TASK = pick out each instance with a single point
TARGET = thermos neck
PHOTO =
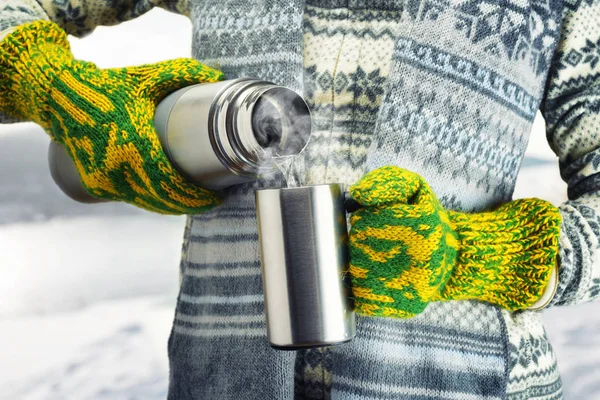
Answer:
(230, 126)
(251, 122)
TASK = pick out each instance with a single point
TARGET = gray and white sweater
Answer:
(446, 88)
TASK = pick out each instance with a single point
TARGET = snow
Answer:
(67, 264)
(110, 350)
(87, 292)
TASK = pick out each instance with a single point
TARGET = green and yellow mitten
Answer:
(103, 117)
(406, 250)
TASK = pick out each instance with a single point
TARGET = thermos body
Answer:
(304, 257)
(178, 119)
(65, 175)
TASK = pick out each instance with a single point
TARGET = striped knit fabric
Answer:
(446, 89)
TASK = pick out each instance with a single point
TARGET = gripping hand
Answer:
(406, 250)
(103, 117)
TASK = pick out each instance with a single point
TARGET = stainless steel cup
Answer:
(303, 246)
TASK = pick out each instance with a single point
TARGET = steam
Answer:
(267, 124)
(282, 126)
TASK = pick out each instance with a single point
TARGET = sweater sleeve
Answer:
(571, 108)
(80, 17)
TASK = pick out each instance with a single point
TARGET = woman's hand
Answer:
(103, 117)
(406, 250)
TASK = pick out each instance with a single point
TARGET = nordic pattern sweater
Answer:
(448, 89)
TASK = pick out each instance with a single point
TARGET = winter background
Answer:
(87, 293)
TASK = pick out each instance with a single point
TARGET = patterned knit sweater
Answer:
(448, 89)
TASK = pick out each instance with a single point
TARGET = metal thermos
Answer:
(304, 256)
(216, 134)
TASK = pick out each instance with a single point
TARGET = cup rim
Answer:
(340, 185)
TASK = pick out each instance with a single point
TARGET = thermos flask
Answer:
(216, 134)
(304, 257)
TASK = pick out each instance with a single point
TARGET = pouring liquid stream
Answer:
(288, 167)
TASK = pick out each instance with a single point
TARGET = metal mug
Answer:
(304, 256)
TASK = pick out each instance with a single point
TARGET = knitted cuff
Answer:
(31, 56)
(506, 256)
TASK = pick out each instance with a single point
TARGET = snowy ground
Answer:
(87, 292)
(113, 349)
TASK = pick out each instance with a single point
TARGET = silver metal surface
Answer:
(65, 175)
(209, 132)
(303, 245)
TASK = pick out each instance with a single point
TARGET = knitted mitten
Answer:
(406, 250)
(103, 117)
